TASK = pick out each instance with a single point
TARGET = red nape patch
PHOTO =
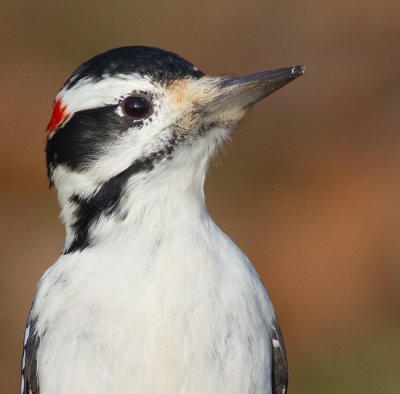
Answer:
(59, 115)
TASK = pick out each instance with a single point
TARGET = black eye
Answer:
(137, 107)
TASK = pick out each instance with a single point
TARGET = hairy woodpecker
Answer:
(148, 295)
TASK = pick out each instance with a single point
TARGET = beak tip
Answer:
(297, 71)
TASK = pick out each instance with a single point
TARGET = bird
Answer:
(148, 295)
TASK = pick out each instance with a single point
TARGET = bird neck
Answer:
(149, 203)
(169, 193)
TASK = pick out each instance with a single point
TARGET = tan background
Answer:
(309, 187)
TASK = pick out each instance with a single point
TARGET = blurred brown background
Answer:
(309, 187)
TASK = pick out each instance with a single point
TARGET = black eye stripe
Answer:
(85, 137)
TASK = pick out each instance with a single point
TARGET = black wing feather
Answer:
(29, 381)
(279, 361)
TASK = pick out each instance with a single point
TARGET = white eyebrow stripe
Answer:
(87, 94)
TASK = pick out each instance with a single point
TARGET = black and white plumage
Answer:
(149, 295)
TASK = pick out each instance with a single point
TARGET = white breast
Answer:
(181, 313)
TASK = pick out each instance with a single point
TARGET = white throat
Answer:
(170, 197)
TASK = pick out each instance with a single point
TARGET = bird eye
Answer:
(137, 107)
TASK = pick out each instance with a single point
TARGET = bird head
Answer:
(137, 116)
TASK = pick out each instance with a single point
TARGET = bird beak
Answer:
(234, 95)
